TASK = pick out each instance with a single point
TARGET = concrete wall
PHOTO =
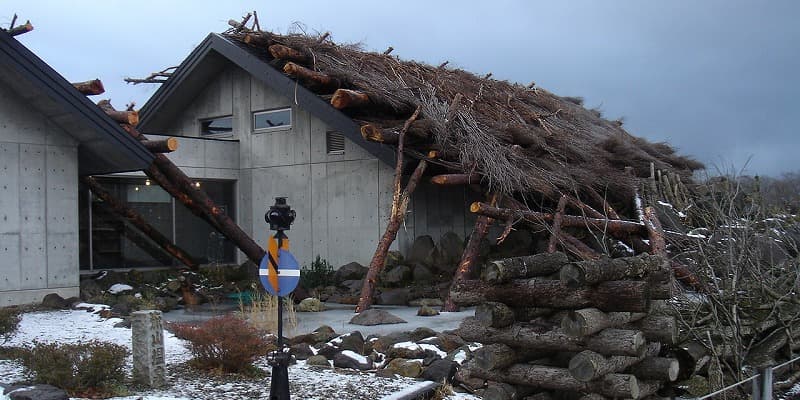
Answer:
(38, 206)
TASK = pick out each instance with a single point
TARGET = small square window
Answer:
(334, 142)
(274, 119)
(221, 126)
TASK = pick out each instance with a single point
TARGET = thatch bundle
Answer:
(521, 140)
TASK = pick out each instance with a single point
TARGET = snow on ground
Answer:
(306, 382)
(119, 288)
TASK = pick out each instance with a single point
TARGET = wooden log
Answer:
(592, 396)
(456, 179)
(657, 328)
(103, 210)
(616, 228)
(374, 133)
(162, 146)
(690, 356)
(90, 88)
(258, 39)
(287, 53)
(589, 365)
(608, 342)
(505, 391)
(578, 248)
(555, 231)
(177, 184)
(136, 220)
(421, 129)
(494, 314)
(316, 81)
(504, 270)
(588, 321)
(632, 296)
(554, 378)
(400, 200)
(346, 98)
(122, 117)
(656, 368)
(20, 29)
(526, 314)
(608, 269)
(499, 356)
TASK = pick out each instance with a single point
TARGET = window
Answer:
(272, 120)
(221, 126)
(334, 142)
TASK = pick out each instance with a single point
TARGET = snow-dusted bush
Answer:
(77, 367)
(226, 343)
(9, 321)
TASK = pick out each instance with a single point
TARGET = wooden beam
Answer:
(287, 53)
(346, 98)
(161, 146)
(456, 179)
(122, 117)
(19, 30)
(316, 80)
(90, 88)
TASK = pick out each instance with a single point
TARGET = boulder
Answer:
(422, 274)
(449, 342)
(90, 288)
(426, 301)
(422, 333)
(427, 311)
(423, 250)
(383, 343)
(350, 271)
(403, 367)
(353, 286)
(166, 303)
(301, 351)
(323, 334)
(440, 371)
(310, 304)
(352, 341)
(392, 258)
(341, 299)
(36, 392)
(318, 360)
(411, 350)
(397, 276)
(393, 297)
(376, 317)
(352, 360)
(54, 300)
(450, 249)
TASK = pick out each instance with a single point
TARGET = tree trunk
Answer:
(90, 88)
(497, 356)
(138, 238)
(609, 341)
(400, 201)
(346, 98)
(139, 222)
(578, 248)
(587, 365)
(656, 368)
(316, 81)
(555, 232)
(589, 273)
(456, 179)
(588, 321)
(282, 52)
(373, 133)
(162, 146)
(632, 296)
(542, 264)
(258, 39)
(657, 328)
(527, 314)
(616, 228)
(20, 29)
(122, 117)
(493, 314)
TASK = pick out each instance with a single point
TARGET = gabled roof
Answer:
(209, 58)
(103, 146)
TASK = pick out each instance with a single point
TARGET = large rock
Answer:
(54, 300)
(397, 276)
(301, 351)
(350, 271)
(450, 248)
(422, 332)
(422, 274)
(36, 392)
(440, 371)
(411, 350)
(353, 286)
(352, 360)
(310, 305)
(90, 288)
(375, 316)
(322, 334)
(353, 341)
(383, 343)
(427, 311)
(423, 250)
(318, 360)
(393, 297)
(403, 367)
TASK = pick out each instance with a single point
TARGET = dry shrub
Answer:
(262, 312)
(226, 344)
(77, 367)
(9, 322)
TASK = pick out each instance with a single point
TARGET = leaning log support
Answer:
(346, 98)
(90, 88)
(400, 200)
(162, 146)
(469, 257)
(456, 179)
(122, 117)
(316, 80)
(139, 222)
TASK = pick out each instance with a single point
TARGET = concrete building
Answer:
(49, 135)
(249, 134)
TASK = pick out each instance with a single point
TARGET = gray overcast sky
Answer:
(717, 79)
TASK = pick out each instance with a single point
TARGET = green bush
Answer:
(319, 274)
(227, 344)
(9, 322)
(77, 367)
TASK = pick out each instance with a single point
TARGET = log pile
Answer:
(548, 325)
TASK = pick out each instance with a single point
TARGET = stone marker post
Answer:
(148, 348)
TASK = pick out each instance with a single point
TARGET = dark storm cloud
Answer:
(717, 79)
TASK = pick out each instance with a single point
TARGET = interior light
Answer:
(136, 188)
(147, 182)
(197, 184)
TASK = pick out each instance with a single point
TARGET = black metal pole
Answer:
(279, 384)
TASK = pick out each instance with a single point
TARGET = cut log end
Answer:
(572, 276)
(346, 98)
(90, 88)
(475, 207)
(19, 30)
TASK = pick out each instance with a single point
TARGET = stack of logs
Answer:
(581, 330)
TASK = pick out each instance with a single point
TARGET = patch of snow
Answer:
(624, 247)
(138, 295)
(681, 214)
(119, 288)
(665, 204)
(460, 357)
(417, 389)
(424, 346)
(102, 275)
(91, 307)
(355, 356)
(474, 346)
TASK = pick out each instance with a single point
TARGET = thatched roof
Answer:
(522, 140)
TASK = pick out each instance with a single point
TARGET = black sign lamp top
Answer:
(280, 216)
